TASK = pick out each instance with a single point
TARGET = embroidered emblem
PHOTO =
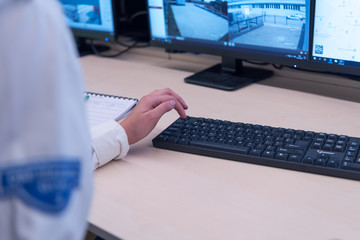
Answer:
(46, 186)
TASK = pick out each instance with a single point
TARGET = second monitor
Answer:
(91, 19)
(267, 31)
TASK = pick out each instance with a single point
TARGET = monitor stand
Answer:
(85, 48)
(229, 75)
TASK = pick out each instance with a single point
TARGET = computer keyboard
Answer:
(306, 151)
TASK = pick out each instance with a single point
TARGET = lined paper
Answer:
(101, 107)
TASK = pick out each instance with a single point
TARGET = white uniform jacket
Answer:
(46, 154)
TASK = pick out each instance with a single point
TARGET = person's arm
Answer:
(111, 140)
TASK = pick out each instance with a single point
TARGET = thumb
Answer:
(163, 108)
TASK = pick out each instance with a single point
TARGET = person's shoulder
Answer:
(50, 8)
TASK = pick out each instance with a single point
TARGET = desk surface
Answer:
(159, 194)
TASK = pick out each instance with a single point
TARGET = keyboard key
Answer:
(320, 162)
(324, 156)
(310, 134)
(349, 159)
(183, 141)
(351, 166)
(343, 138)
(322, 136)
(282, 156)
(309, 160)
(332, 137)
(172, 139)
(328, 147)
(294, 158)
(255, 152)
(339, 148)
(162, 138)
(268, 154)
(316, 145)
(352, 149)
(300, 145)
(332, 164)
(351, 154)
(220, 146)
(290, 151)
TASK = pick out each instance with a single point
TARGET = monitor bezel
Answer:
(353, 72)
(98, 34)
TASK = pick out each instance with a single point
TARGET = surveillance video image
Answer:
(197, 19)
(83, 13)
(267, 23)
(280, 24)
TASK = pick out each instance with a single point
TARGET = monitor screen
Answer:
(91, 18)
(285, 32)
(280, 29)
(336, 38)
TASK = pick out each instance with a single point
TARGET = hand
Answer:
(148, 111)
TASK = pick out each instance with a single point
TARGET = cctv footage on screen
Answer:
(89, 14)
(267, 23)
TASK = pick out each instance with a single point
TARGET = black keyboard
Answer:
(306, 151)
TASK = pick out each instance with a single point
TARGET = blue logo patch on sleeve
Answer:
(46, 186)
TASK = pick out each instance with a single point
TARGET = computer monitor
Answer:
(336, 36)
(306, 34)
(273, 31)
(91, 19)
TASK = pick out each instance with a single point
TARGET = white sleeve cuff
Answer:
(109, 141)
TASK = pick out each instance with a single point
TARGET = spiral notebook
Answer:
(102, 107)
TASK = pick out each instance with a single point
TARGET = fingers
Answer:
(168, 91)
(163, 108)
(158, 100)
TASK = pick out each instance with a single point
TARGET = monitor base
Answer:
(216, 77)
(84, 47)
(87, 50)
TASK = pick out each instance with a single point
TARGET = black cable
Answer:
(135, 15)
(112, 55)
(279, 67)
(256, 63)
(133, 46)
(264, 64)
(129, 21)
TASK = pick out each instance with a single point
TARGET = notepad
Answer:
(102, 107)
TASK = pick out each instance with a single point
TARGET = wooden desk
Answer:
(158, 194)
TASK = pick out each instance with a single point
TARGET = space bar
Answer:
(220, 146)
